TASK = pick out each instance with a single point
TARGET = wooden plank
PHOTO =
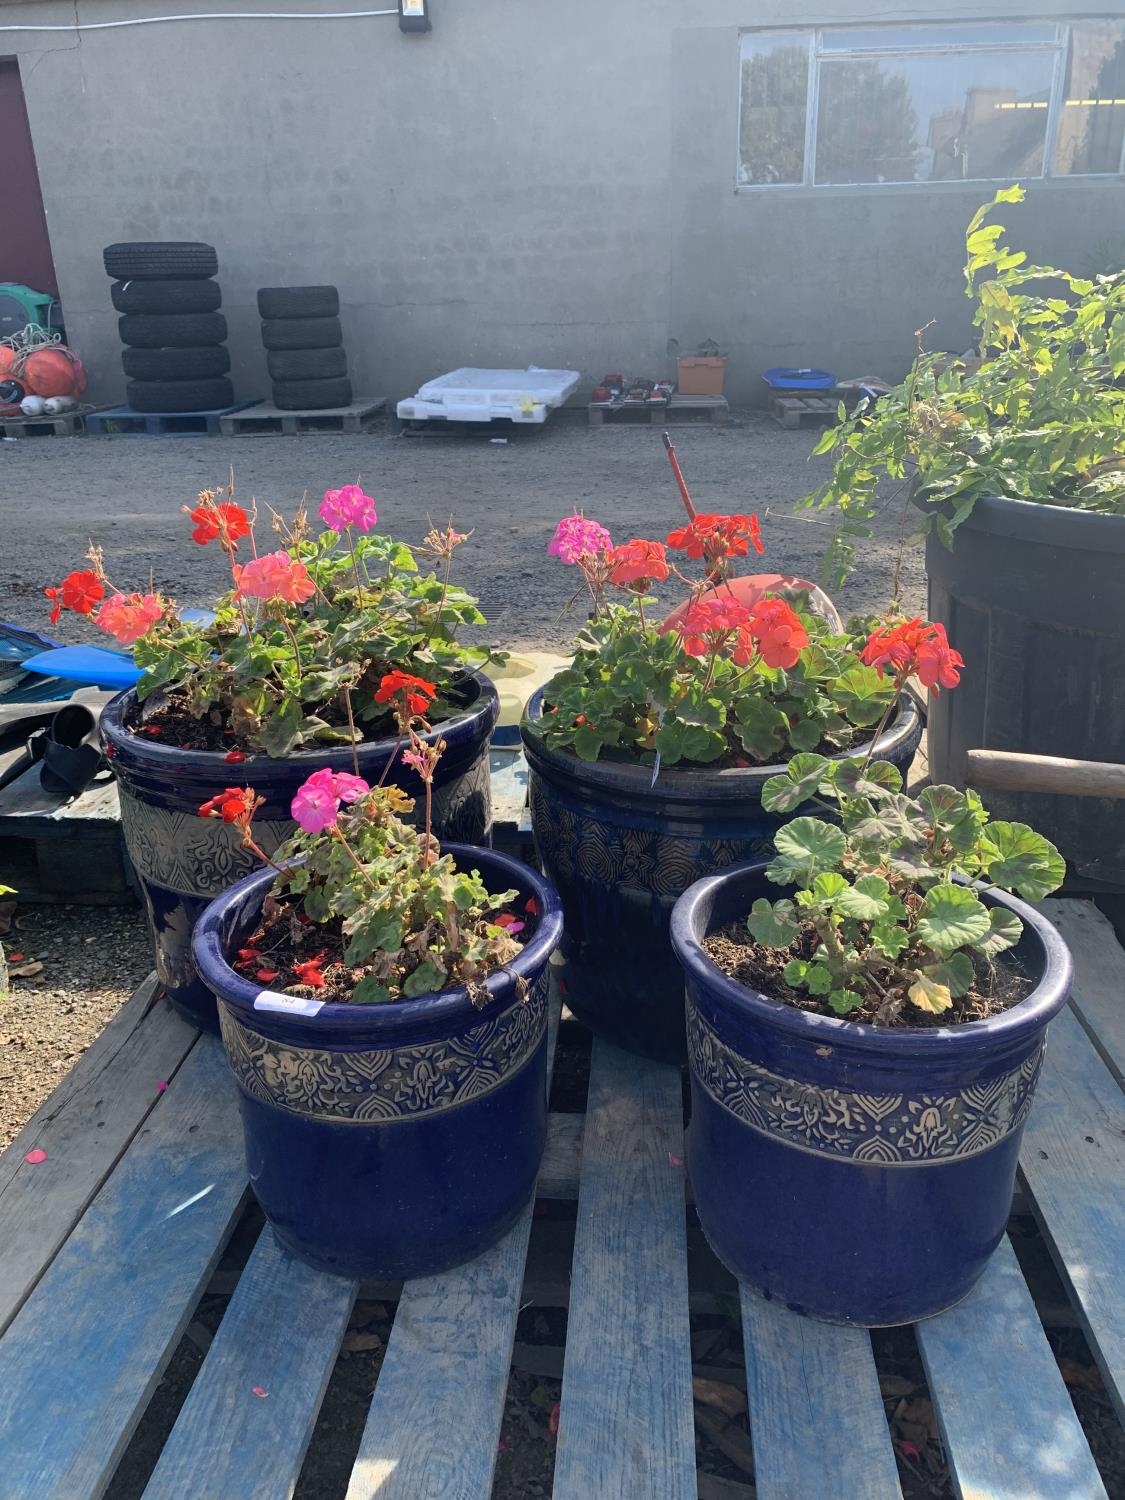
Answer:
(1007, 1421)
(1098, 996)
(1044, 773)
(1073, 1163)
(280, 1335)
(434, 1421)
(562, 1157)
(84, 1127)
(82, 1357)
(626, 1426)
(816, 1411)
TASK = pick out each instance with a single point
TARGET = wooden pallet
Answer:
(678, 409)
(66, 424)
(108, 1244)
(123, 421)
(264, 416)
(74, 853)
(791, 410)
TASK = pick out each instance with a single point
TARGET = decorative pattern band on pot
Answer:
(885, 1130)
(608, 850)
(198, 856)
(386, 1084)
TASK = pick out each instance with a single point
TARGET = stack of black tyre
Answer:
(304, 347)
(174, 358)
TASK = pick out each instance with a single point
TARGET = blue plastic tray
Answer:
(784, 378)
(87, 664)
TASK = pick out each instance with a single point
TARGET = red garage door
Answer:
(25, 249)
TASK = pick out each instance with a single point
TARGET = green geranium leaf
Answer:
(843, 1002)
(587, 743)
(427, 978)
(1017, 858)
(796, 971)
(862, 694)
(956, 973)
(866, 900)
(829, 887)
(957, 817)
(369, 991)
(804, 773)
(818, 981)
(805, 734)
(761, 727)
(854, 779)
(773, 923)
(1004, 931)
(889, 939)
(805, 847)
(951, 917)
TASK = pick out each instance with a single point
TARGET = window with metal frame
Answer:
(974, 102)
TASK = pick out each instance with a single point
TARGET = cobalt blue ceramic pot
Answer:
(183, 861)
(397, 1140)
(621, 849)
(859, 1174)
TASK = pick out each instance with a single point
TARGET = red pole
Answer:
(679, 473)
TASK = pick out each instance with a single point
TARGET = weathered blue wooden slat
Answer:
(434, 1423)
(248, 1418)
(80, 1360)
(1099, 976)
(84, 1127)
(816, 1412)
(1073, 1163)
(626, 1427)
(1007, 1422)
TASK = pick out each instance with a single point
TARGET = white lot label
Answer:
(270, 1000)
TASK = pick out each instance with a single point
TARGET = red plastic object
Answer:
(756, 586)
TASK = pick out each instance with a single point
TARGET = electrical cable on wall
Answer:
(250, 15)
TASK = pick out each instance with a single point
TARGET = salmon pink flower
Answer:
(346, 507)
(127, 617)
(416, 691)
(638, 563)
(275, 575)
(777, 628)
(576, 537)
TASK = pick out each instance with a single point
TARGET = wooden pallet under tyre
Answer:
(66, 424)
(124, 421)
(792, 409)
(264, 416)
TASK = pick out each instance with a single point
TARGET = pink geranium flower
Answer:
(576, 537)
(317, 802)
(127, 617)
(275, 575)
(348, 507)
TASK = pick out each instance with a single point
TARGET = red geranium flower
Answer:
(914, 648)
(234, 756)
(81, 591)
(638, 563)
(779, 633)
(710, 624)
(715, 537)
(309, 972)
(416, 691)
(212, 520)
(266, 975)
(234, 805)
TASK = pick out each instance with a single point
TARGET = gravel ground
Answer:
(93, 958)
(126, 494)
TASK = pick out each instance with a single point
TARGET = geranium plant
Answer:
(301, 638)
(1040, 416)
(883, 915)
(720, 681)
(365, 907)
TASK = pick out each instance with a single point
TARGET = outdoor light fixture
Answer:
(413, 15)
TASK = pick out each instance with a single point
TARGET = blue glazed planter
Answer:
(387, 1141)
(859, 1174)
(183, 861)
(622, 850)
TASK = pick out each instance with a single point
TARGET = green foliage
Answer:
(887, 909)
(411, 927)
(632, 692)
(278, 674)
(1042, 419)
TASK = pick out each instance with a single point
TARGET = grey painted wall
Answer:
(546, 181)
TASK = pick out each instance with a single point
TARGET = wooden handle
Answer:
(1009, 772)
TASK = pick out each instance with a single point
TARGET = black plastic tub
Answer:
(1033, 597)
